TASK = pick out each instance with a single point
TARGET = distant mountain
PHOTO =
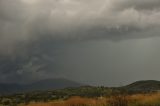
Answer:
(52, 84)
(47, 84)
(10, 88)
(146, 85)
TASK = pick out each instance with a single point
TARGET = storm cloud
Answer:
(35, 35)
(75, 19)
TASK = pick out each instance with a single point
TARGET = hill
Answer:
(146, 85)
(51, 84)
(42, 85)
(77, 88)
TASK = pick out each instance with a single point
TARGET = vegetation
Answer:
(119, 100)
(87, 96)
(63, 94)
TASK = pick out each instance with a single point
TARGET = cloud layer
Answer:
(22, 20)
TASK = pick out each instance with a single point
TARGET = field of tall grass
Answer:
(118, 100)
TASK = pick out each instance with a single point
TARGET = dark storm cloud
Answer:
(31, 62)
(33, 32)
(23, 20)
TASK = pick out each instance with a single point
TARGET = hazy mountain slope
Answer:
(10, 88)
(52, 84)
(47, 84)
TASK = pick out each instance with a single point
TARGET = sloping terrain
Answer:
(47, 84)
(146, 85)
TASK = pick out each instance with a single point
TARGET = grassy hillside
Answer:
(148, 85)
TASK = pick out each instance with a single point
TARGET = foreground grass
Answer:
(74, 101)
(119, 100)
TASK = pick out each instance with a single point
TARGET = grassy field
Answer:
(118, 100)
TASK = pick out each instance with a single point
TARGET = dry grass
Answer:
(133, 100)
(74, 101)
(146, 99)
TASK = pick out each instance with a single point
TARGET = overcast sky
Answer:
(99, 42)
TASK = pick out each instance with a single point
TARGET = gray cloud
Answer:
(63, 19)
(140, 5)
